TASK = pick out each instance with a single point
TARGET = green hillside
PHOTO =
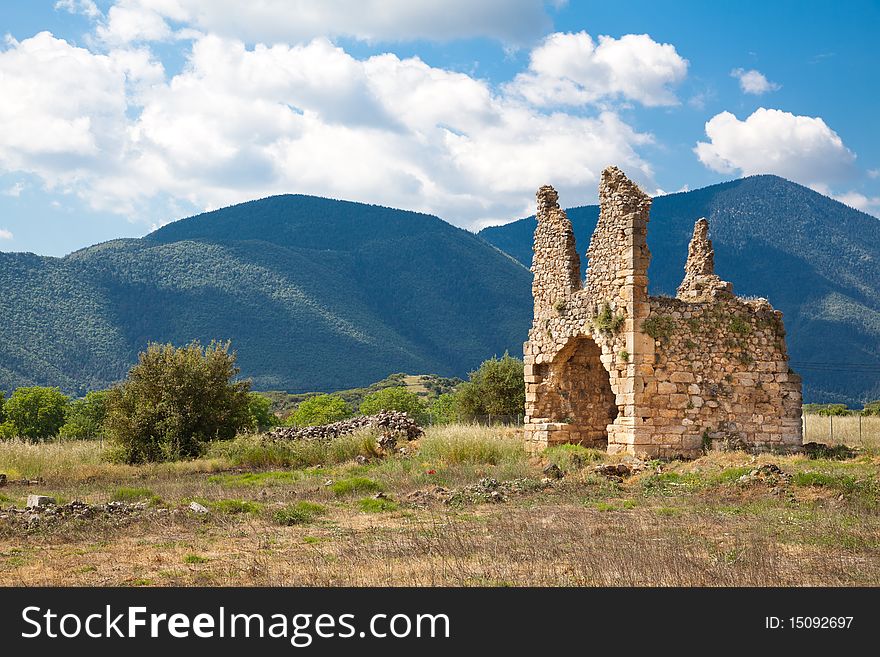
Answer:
(315, 294)
(815, 259)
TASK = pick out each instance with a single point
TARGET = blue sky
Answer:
(117, 116)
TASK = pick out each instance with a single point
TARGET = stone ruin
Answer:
(606, 365)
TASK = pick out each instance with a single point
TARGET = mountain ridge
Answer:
(323, 294)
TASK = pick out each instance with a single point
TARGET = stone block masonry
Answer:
(606, 365)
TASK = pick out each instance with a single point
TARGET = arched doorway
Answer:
(576, 391)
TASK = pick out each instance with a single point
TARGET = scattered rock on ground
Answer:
(769, 474)
(553, 471)
(34, 501)
(197, 508)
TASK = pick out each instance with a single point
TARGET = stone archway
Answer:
(577, 393)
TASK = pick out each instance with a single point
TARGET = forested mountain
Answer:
(318, 294)
(315, 294)
(814, 258)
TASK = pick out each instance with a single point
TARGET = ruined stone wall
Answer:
(605, 364)
(721, 377)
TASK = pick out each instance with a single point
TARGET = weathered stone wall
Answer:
(607, 365)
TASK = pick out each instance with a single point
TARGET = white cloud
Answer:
(14, 191)
(85, 7)
(571, 69)
(64, 115)
(291, 21)
(800, 148)
(240, 123)
(753, 82)
(857, 200)
(5, 234)
(873, 173)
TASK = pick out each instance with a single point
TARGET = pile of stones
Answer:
(42, 510)
(391, 424)
(769, 474)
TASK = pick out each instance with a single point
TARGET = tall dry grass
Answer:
(852, 430)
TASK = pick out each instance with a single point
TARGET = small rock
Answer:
(36, 501)
(2, 479)
(329, 482)
(197, 508)
(380, 496)
(553, 471)
(360, 459)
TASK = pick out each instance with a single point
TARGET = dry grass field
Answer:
(465, 506)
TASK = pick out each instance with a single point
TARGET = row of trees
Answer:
(173, 401)
(496, 388)
(177, 399)
(838, 410)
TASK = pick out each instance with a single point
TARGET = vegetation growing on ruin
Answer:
(659, 327)
(608, 322)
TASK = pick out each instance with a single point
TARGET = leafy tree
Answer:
(174, 401)
(496, 388)
(35, 413)
(443, 409)
(395, 399)
(871, 408)
(2, 403)
(259, 415)
(320, 409)
(833, 409)
(85, 417)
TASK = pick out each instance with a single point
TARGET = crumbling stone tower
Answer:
(607, 365)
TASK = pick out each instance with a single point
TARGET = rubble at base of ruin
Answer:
(606, 365)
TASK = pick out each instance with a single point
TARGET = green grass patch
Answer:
(233, 507)
(613, 506)
(299, 513)
(373, 505)
(729, 475)
(270, 478)
(672, 483)
(666, 511)
(195, 559)
(126, 494)
(573, 457)
(355, 485)
(841, 482)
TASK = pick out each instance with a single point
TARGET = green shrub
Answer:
(318, 410)
(497, 387)
(174, 401)
(260, 417)
(299, 513)
(85, 417)
(443, 409)
(34, 413)
(395, 399)
(607, 322)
